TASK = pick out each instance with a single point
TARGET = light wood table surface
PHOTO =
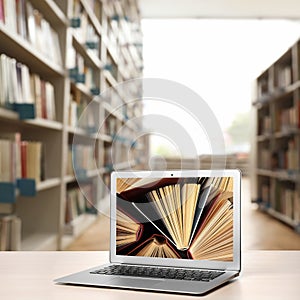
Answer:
(29, 275)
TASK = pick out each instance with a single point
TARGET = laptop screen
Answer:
(180, 218)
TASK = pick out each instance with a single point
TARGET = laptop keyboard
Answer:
(154, 272)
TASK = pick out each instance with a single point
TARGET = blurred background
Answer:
(242, 59)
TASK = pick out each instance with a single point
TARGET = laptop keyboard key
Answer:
(154, 272)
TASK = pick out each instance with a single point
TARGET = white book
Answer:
(33, 156)
(56, 47)
(4, 72)
(26, 87)
(45, 40)
(2, 97)
(50, 101)
(5, 233)
(15, 238)
(30, 23)
(13, 82)
(39, 38)
(13, 13)
(19, 91)
(5, 161)
(35, 83)
(73, 114)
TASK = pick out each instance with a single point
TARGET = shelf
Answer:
(109, 48)
(76, 227)
(83, 90)
(278, 108)
(51, 12)
(44, 234)
(286, 133)
(278, 134)
(91, 59)
(283, 218)
(105, 138)
(48, 184)
(95, 22)
(69, 178)
(112, 81)
(39, 242)
(113, 111)
(15, 46)
(108, 76)
(89, 174)
(280, 174)
(263, 137)
(118, 115)
(6, 114)
(277, 94)
(82, 133)
(45, 123)
(120, 166)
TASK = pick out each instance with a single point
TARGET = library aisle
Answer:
(257, 230)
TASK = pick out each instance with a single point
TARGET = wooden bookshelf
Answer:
(99, 45)
(277, 107)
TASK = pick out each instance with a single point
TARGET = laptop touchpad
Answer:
(133, 282)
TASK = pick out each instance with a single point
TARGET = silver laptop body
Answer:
(207, 245)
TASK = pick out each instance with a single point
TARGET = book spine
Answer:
(2, 16)
(43, 99)
(23, 147)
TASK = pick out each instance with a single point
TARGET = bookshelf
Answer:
(91, 46)
(277, 107)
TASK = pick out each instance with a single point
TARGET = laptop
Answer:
(171, 231)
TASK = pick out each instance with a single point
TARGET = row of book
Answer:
(108, 156)
(110, 125)
(20, 159)
(80, 201)
(83, 113)
(264, 157)
(265, 193)
(75, 204)
(286, 158)
(264, 125)
(115, 154)
(284, 76)
(10, 233)
(80, 157)
(20, 17)
(83, 30)
(94, 5)
(20, 86)
(79, 72)
(287, 119)
(112, 66)
(287, 202)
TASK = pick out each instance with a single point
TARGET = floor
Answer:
(259, 231)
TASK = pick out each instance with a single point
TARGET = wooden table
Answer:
(29, 275)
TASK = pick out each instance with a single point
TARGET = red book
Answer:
(2, 16)
(23, 159)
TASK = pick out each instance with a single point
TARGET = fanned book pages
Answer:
(176, 206)
(214, 239)
(193, 217)
(127, 229)
(156, 246)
